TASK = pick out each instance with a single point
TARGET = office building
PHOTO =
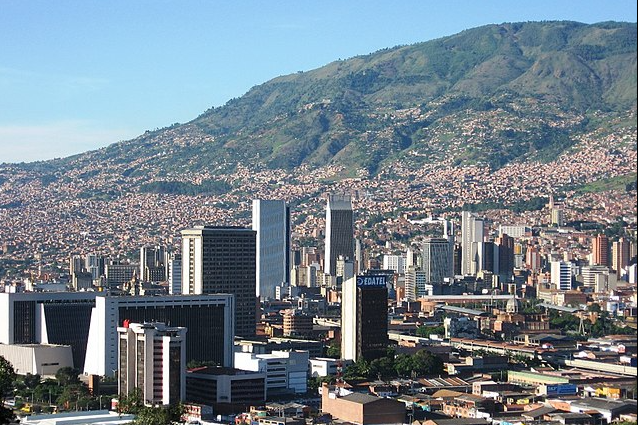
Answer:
(561, 275)
(514, 231)
(504, 246)
(209, 319)
(339, 231)
(60, 318)
(94, 264)
(600, 251)
(364, 317)
(227, 390)
(416, 284)
(222, 260)
(286, 371)
(152, 357)
(271, 221)
(395, 263)
(118, 274)
(152, 267)
(533, 258)
(620, 255)
(472, 235)
(436, 260)
(598, 279)
(174, 273)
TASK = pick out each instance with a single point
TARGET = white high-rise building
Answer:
(271, 221)
(394, 262)
(472, 234)
(174, 266)
(286, 371)
(339, 231)
(561, 275)
(152, 357)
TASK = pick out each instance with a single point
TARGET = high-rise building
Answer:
(598, 278)
(472, 234)
(152, 267)
(174, 273)
(436, 261)
(152, 357)
(364, 317)
(600, 251)
(533, 258)
(416, 285)
(339, 231)
(620, 255)
(561, 275)
(222, 260)
(94, 264)
(505, 251)
(271, 221)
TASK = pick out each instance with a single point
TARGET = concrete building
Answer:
(339, 231)
(364, 317)
(174, 275)
(600, 251)
(286, 371)
(40, 359)
(58, 318)
(118, 274)
(222, 260)
(227, 390)
(152, 267)
(209, 319)
(395, 263)
(271, 221)
(620, 255)
(324, 366)
(561, 275)
(361, 408)
(437, 260)
(152, 357)
(472, 235)
(598, 278)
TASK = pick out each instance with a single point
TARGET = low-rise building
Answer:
(286, 371)
(361, 408)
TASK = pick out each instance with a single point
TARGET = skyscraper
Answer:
(271, 221)
(364, 317)
(472, 233)
(436, 260)
(219, 260)
(600, 251)
(339, 231)
(620, 255)
(152, 267)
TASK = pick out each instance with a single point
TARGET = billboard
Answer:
(561, 389)
(371, 281)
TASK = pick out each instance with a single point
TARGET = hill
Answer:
(486, 96)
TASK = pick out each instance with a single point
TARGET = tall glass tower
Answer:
(339, 231)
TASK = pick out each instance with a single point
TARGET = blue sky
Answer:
(78, 75)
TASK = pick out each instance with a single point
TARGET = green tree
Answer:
(67, 376)
(7, 378)
(131, 403)
(6, 415)
(160, 415)
(334, 350)
(426, 331)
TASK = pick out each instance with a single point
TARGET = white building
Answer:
(394, 262)
(324, 366)
(561, 275)
(40, 359)
(271, 221)
(598, 278)
(514, 231)
(472, 234)
(286, 371)
(153, 359)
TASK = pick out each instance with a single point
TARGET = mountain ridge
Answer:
(368, 110)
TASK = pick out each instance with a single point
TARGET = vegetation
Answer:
(426, 331)
(148, 415)
(396, 102)
(422, 363)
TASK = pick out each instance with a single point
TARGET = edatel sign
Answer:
(371, 281)
(561, 389)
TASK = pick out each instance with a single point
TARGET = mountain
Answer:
(486, 96)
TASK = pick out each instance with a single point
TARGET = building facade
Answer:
(222, 260)
(364, 317)
(472, 234)
(339, 231)
(152, 357)
(271, 221)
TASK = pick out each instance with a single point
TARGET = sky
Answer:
(79, 75)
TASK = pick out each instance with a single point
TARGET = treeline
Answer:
(534, 204)
(208, 187)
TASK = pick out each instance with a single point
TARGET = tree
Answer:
(7, 378)
(6, 415)
(426, 331)
(159, 415)
(334, 350)
(67, 375)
